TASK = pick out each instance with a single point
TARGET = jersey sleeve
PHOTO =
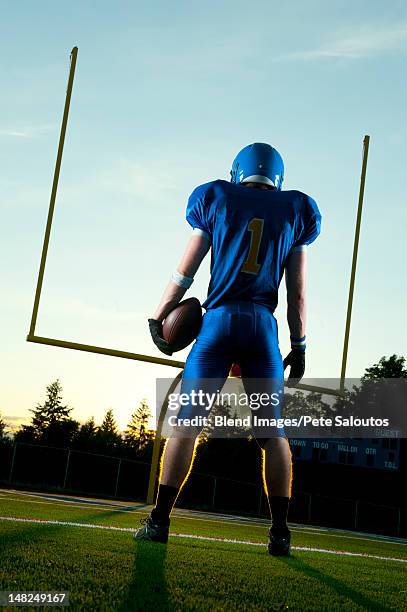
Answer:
(311, 225)
(197, 213)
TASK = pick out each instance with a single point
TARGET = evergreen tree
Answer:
(108, 435)
(383, 390)
(85, 437)
(138, 433)
(60, 433)
(380, 394)
(26, 434)
(109, 425)
(311, 404)
(388, 367)
(5, 437)
(3, 428)
(51, 411)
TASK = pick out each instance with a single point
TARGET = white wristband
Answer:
(181, 280)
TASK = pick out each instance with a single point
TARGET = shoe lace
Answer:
(144, 520)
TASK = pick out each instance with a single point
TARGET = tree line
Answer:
(52, 424)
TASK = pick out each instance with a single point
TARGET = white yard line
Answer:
(341, 553)
(195, 515)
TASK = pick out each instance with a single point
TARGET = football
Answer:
(182, 324)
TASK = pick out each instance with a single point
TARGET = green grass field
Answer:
(104, 569)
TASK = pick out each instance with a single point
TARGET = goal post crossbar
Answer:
(32, 337)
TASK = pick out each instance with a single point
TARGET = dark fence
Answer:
(73, 471)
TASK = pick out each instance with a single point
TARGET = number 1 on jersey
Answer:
(251, 264)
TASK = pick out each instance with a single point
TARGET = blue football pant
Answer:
(243, 333)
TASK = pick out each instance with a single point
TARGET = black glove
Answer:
(296, 360)
(156, 331)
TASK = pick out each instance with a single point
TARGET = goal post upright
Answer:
(74, 55)
(155, 461)
(366, 142)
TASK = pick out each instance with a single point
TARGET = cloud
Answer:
(358, 43)
(145, 181)
(28, 132)
(148, 183)
(13, 422)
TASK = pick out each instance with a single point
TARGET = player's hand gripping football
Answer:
(296, 360)
(156, 331)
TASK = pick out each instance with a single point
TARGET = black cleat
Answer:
(152, 532)
(279, 544)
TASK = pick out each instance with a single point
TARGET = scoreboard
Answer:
(378, 453)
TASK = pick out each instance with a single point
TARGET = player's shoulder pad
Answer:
(308, 218)
(312, 205)
(204, 190)
(305, 202)
(198, 212)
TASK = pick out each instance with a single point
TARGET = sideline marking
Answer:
(340, 553)
(138, 508)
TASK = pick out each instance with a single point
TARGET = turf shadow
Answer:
(147, 588)
(27, 535)
(341, 588)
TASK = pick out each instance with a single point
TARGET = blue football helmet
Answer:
(258, 163)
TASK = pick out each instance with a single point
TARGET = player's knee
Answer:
(263, 442)
(190, 434)
(271, 441)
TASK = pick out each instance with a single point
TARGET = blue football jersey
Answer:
(252, 232)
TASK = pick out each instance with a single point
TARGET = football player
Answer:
(256, 232)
